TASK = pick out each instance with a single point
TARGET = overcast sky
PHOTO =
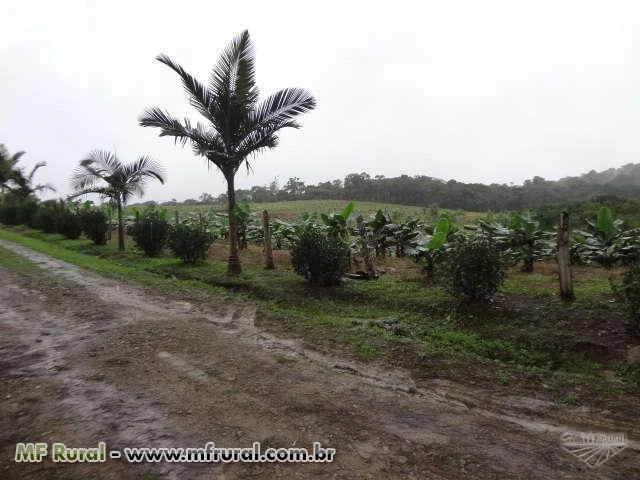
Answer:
(477, 91)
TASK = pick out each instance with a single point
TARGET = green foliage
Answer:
(336, 223)
(440, 234)
(95, 224)
(377, 227)
(404, 237)
(433, 244)
(103, 173)
(151, 231)
(17, 211)
(69, 223)
(190, 241)
(56, 216)
(45, 217)
(243, 217)
(320, 258)
(471, 270)
(606, 241)
(15, 180)
(629, 289)
(626, 208)
(520, 239)
(283, 233)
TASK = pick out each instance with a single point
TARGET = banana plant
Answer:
(520, 239)
(605, 241)
(283, 233)
(243, 217)
(405, 237)
(382, 236)
(432, 245)
(337, 223)
(528, 243)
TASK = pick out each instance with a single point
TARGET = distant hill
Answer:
(424, 191)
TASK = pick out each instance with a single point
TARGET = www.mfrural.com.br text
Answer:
(209, 453)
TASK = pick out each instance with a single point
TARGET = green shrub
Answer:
(95, 225)
(150, 231)
(56, 216)
(46, 217)
(68, 224)
(320, 258)
(472, 270)
(189, 242)
(17, 211)
(630, 291)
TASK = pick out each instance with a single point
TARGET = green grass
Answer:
(591, 284)
(105, 259)
(15, 262)
(513, 348)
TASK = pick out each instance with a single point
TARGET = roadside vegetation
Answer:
(520, 337)
(469, 295)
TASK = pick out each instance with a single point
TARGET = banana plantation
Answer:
(602, 241)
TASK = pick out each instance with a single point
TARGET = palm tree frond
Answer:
(98, 165)
(104, 160)
(199, 96)
(143, 168)
(234, 74)
(103, 191)
(44, 186)
(257, 141)
(282, 107)
(35, 168)
(172, 127)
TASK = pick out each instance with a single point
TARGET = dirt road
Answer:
(85, 359)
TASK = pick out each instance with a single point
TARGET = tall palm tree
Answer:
(103, 173)
(238, 125)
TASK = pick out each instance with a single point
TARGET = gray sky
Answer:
(490, 91)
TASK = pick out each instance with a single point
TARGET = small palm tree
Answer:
(103, 173)
(14, 180)
(237, 124)
(8, 168)
(24, 183)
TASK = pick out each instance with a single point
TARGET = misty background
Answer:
(491, 92)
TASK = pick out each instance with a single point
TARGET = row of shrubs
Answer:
(472, 269)
(57, 216)
(188, 240)
(151, 231)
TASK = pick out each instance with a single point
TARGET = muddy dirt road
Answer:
(85, 359)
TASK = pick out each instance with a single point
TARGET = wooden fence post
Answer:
(564, 269)
(268, 252)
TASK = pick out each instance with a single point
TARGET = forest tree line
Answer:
(422, 190)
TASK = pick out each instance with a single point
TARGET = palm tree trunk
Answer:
(233, 267)
(120, 227)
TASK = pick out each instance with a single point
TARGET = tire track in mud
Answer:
(51, 345)
(445, 414)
